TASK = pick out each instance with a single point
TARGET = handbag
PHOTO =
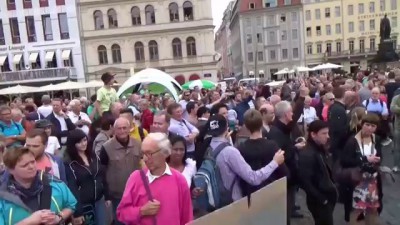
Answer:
(148, 192)
(89, 214)
(350, 176)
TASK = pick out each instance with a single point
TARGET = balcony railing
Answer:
(347, 53)
(27, 76)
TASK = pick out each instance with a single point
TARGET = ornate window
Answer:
(153, 50)
(177, 48)
(135, 14)
(139, 51)
(102, 53)
(98, 20)
(173, 12)
(150, 15)
(191, 46)
(188, 10)
(116, 53)
(112, 18)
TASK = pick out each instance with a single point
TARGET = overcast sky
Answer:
(218, 8)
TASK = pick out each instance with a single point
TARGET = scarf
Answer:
(24, 193)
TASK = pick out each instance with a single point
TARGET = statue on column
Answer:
(385, 29)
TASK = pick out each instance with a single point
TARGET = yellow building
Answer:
(347, 32)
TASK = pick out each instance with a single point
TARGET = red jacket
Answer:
(147, 119)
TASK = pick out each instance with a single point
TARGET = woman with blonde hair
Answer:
(355, 118)
(328, 100)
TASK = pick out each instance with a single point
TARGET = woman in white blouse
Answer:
(178, 160)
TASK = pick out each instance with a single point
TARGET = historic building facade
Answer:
(266, 36)
(39, 42)
(175, 36)
(347, 32)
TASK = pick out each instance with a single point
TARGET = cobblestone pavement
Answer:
(391, 200)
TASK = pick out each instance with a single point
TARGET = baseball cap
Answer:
(107, 77)
(217, 125)
(43, 123)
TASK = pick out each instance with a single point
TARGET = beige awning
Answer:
(49, 56)
(2, 59)
(17, 58)
(65, 54)
(33, 57)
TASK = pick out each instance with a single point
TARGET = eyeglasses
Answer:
(150, 155)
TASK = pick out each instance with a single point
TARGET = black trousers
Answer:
(322, 214)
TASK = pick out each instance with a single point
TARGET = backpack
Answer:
(367, 103)
(208, 177)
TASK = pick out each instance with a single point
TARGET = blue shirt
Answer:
(183, 128)
(378, 107)
(11, 130)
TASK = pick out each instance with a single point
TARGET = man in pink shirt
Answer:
(158, 194)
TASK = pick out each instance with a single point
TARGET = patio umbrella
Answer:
(327, 66)
(68, 85)
(200, 84)
(282, 71)
(303, 69)
(93, 84)
(18, 89)
(276, 83)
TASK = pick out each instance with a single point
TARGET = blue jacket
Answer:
(13, 210)
(241, 108)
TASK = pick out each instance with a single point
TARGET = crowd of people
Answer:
(148, 159)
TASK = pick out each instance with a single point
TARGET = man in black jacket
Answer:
(280, 132)
(61, 123)
(315, 174)
(338, 123)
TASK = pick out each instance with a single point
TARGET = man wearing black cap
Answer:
(106, 95)
(231, 164)
(315, 174)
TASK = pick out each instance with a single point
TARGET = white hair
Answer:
(162, 142)
(83, 99)
(281, 108)
(74, 102)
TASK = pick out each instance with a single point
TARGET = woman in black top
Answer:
(85, 178)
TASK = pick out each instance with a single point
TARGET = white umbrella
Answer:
(303, 69)
(93, 84)
(46, 88)
(291, 71)
(276, 83)
(19, 89)
(327, 66)
(68, 85)
(282, 71)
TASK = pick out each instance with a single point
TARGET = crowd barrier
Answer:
(268, 207)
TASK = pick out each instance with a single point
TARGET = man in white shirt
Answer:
(79, 118)
(46, 108)
(309, 112)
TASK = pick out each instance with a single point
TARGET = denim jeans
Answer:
(115, 203)
(100, 210)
